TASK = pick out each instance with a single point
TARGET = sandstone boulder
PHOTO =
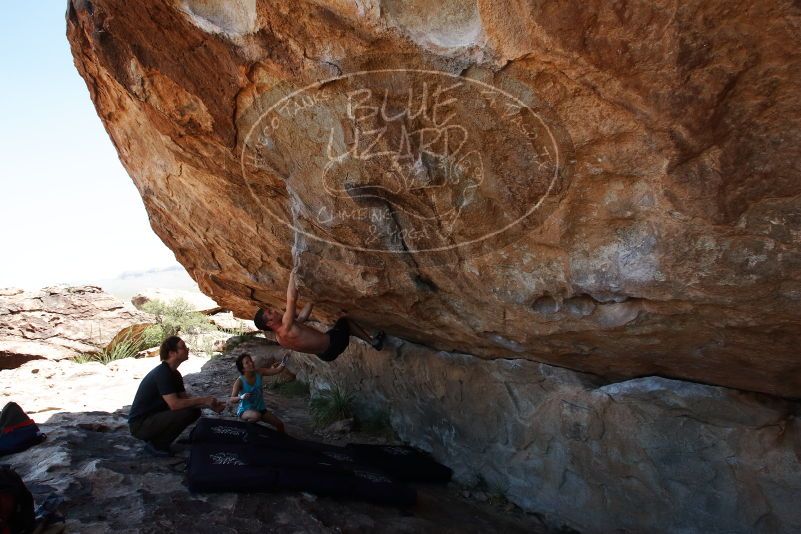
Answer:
(609, 187)
(226, 321)
(60, 322)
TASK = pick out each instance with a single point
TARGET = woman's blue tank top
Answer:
(256, 399)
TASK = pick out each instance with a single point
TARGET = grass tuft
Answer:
(128, 347)
(331, 405)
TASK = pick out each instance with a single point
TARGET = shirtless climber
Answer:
(291, 332)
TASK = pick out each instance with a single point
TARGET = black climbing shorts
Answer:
(339, 336)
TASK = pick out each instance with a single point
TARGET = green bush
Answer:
(176, 317)
(152, 336)
(330, 406)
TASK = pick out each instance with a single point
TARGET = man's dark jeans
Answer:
(162, 428)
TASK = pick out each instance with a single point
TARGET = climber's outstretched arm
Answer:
(291, 302)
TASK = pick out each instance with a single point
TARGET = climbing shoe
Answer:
(378, 340)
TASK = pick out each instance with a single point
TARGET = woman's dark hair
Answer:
(239, 361)
(259, 320)
(167, 346)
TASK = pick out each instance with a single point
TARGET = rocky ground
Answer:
(108, 483)
(57, 323)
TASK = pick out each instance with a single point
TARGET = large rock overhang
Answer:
(658, 146)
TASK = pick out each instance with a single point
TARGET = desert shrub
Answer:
(152, 336)
(331, 405)
(177, 317)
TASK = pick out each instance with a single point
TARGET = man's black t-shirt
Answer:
(148, 400)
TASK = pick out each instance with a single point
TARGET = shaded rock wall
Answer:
(659, 143)
(643, 455)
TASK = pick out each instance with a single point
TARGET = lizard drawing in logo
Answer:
(429, 172)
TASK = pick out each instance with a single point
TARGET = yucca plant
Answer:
(127, 347)
(331, 405)
(83, 358)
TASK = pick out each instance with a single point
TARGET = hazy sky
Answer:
(68, 210)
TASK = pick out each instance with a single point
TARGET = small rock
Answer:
(340, 427)
(148, 353)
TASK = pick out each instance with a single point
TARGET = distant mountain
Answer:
(129, 283)
(150, 272)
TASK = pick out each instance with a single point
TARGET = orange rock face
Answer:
(609, 187)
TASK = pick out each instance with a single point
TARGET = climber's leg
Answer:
(356, 329)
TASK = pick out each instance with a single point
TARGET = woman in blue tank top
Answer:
(248, 391)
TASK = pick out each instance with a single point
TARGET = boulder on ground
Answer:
(60, 322)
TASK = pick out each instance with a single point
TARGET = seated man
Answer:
(162, 409)
(291, 333)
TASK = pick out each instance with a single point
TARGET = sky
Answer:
(69, 213)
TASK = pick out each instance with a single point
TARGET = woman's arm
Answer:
(269, 371)
(235, 391)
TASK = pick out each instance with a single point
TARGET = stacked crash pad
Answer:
(244, 457)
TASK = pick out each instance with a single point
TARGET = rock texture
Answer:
(60, 322)
(642, 455)
(658, 142)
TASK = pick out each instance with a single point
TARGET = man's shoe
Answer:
(378, 340)
(157, 452)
